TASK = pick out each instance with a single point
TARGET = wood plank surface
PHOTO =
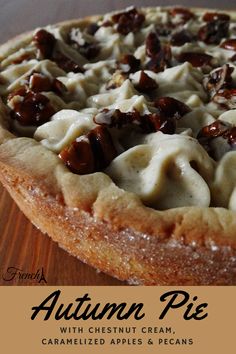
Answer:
(21, 245)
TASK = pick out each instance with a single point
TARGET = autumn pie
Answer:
(118, 139)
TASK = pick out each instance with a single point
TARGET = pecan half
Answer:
(38, 82)
(128, 21)
(196, 59)
(164, 120)
(45, 42)
(153, 44)
(90, 153)
(218, 79)
(226, 98)
(129, 64)
(212, 32)
(229, 44)
(147, 123)
(160, 61)
(183, 14)
(171, 108)
(146, 83)
(32, 109)
(215, 130)
(179, 38)
(214, 16)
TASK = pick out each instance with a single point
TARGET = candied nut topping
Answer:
(67, 64)
(214, 16)
(213, 32)
(215, 130)
(147, 123)
(229, 44)
(226, 98)
(89, 153)
(183, 14)
(128, 21)
(45, 42)
(134, 79)
(164, 120)
(196, 59)
(129, 64)
(161, 61)
(38, 82)
(78, 157)
(170, 107)
(146, 83)
(218, 79)
(33, 109)
(153, 44)
(179, 38)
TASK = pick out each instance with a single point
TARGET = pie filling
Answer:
(146, 96)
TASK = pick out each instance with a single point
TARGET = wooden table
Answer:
(21, 245)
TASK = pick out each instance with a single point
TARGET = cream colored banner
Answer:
(192, 320)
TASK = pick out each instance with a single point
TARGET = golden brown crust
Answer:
(111, 229)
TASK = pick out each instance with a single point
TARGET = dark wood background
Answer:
(21, 244)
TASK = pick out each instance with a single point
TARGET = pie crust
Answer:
(109, 228)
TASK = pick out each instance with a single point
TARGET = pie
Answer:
(118, 140)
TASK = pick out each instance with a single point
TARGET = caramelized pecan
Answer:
(229, 44)
(232, 137)
(196, 59)
(38, 82)
(183, 14)
(147, 123)
(214, 16)
(45, 42)
(128, 21)
(179, 38)
(171, 108)
(78, 156)
(215, 130)
(67, 64)
(164, 120)
(90, 153)
(129, 64)
(212, 32)
(153, 44)
(32, 109)
(146, 83)
(218, 79)
(160, 61)
(226, 98)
